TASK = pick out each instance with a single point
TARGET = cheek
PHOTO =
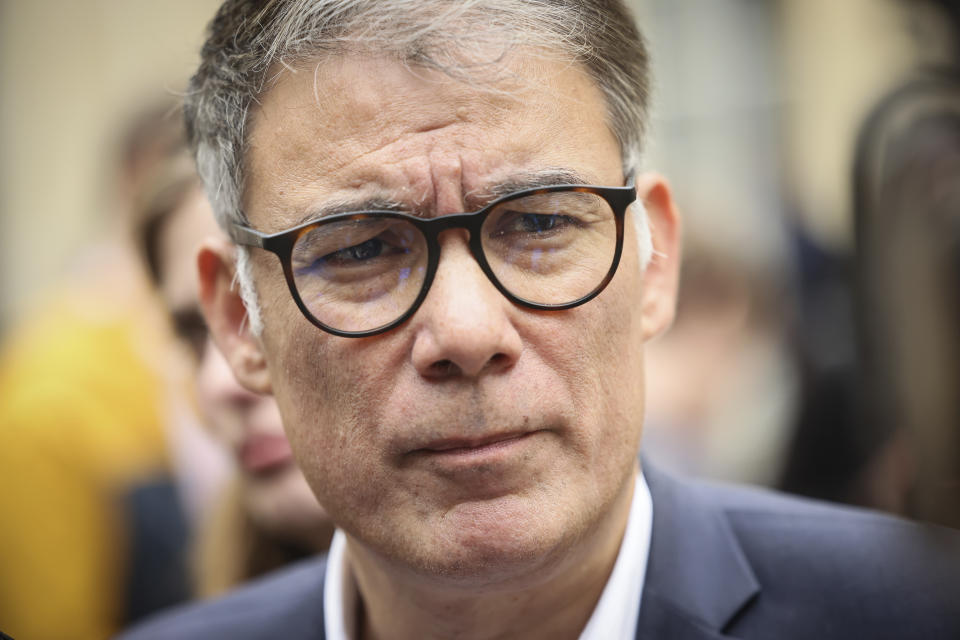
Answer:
(611, 375)
(623, 340)
(293, 349)
(312, 397)
(318, 408)
(330, 391)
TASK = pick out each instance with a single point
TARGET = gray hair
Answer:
(248, 39)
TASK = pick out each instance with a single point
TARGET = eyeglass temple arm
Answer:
(246, 236)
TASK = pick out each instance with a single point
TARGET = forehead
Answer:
(372, 127)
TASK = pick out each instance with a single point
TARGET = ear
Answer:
(662, 274)
(226, 315)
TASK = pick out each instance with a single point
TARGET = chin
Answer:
(513, 565)
(492, 543)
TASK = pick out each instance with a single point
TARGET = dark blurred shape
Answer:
(826, 455)
(880, 332)
(907, 216)
(157, 576)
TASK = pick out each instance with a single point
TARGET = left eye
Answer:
(359, 252)
(519, 223)
(538, 222)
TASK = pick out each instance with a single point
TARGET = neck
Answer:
(556, 601)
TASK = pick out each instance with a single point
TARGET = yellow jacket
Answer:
(80, 421)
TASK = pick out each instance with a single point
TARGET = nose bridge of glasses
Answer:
(470, 222)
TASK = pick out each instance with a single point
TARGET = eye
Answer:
(368, 250)
(522, 223)
(538, 222)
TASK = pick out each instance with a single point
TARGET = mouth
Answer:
(455, 446)
(264, 454)
(472, 452)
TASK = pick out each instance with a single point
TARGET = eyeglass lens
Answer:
(361, 273)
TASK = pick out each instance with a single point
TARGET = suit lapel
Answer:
(697, 577)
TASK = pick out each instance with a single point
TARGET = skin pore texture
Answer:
(481, 456)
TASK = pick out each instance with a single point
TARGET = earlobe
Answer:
(226, 315)
(662, 273)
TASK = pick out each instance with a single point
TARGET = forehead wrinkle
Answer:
(328, 152)
(414, 96)
(417, 102)
(300, 165)
(474, 199)
(398, 147)
(352, 163)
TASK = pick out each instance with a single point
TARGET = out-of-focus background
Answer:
(71, 75)
(812, 145)
(756, 108)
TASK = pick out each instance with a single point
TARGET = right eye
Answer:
(355, 250)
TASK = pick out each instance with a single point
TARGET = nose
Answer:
(464, 326)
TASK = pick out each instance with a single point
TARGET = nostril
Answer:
(498, 359)
(448, 368)
(444, 368)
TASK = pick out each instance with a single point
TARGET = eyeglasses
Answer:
(360, 274)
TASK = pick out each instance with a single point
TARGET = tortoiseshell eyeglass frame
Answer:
(282, 243)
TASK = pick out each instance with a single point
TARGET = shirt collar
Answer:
(616, 613)
(339, 593)
(614, 617)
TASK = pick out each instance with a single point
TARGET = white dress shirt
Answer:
(614, 617)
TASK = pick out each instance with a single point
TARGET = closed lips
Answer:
(264, 453)
(456, 445)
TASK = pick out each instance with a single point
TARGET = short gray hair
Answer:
(248, 39)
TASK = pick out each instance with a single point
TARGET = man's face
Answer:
(479, 438)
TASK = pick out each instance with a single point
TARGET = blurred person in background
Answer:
(267, 516)
(907, 217)
(880, 420)
(729, 417)
(94, 531)
(107, 478)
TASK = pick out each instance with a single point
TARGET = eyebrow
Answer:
(549, 177)
(353, 206)
(473, 201)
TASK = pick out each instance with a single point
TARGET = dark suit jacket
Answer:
(724, 563)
